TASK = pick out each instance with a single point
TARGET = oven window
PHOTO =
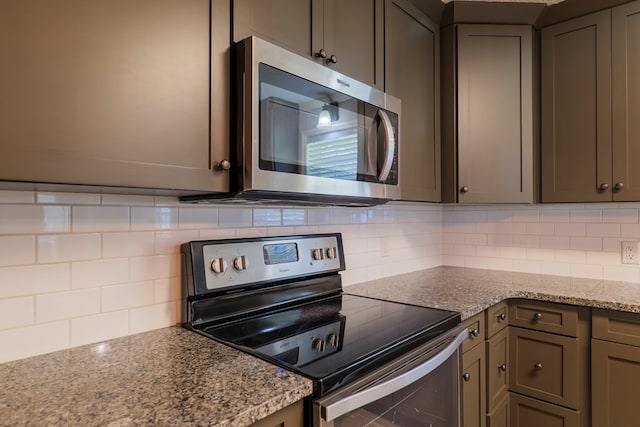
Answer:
(431, 401)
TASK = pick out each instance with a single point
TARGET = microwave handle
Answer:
(389, 145)
(357, 400)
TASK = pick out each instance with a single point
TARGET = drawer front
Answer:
(499, 417)
(527, 412)
(475, 326)
(291, 416)
(616, 326)
(497, 318)
(497, 368)
(544, 366)
(544, 316)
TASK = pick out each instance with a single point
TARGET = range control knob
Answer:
(332, 253)
(318, 345)
(240, 263)
(333, 340)
(218, 265)
(317, 254)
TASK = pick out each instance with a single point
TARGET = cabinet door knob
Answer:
(474, 333)
(321, 54)
(332, 59)
(502, 367)
(502, 316)
(618, 186)
(466, 376)
(538, 366)
(603, 187)
(224, 165)
(537, 316)
(464, 189)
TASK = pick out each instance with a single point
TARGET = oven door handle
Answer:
(357, 400)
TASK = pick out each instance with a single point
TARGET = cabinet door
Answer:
(626, 101)
(495, 114)
(497, 368)
(354, 33)
(544, 366)
(473, 387)
(615, 370)
(411, 38)
(114, 93)
(500, 415)
(576, 110)
(283, 22)
(527, 412)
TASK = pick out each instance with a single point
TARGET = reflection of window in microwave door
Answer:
(332, 151)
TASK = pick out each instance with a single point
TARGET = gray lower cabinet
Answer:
(349, 31)
(528, 412)
(115, 93)
(291, 416)
(615, 358)
(474, 373)
(590, 93)
(487, 114)
(412, 69)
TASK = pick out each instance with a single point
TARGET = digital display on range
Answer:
(280, 253)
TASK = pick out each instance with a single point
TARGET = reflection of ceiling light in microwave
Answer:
(328, 115)
(324, 118)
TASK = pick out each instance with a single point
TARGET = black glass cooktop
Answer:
(334, 339)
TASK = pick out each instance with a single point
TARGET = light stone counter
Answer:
(470, 291)
(167, 377)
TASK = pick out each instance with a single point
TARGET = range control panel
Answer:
(245, 261)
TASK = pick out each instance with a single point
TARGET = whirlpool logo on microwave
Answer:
(343, 83)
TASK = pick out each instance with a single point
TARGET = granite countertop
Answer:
(166, 377)
(175, 377)
(471, 291)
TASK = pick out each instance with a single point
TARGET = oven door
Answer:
(422, 388)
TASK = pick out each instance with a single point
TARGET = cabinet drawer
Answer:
(497, 318)
(544, 366)
(616, 326)
(291, 416)
(497, 368)
(544, 316)
(475, 326)
(527, 412)
(499, 417)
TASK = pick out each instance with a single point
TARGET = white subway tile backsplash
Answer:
(33, 279)
(68, 247)
(100, 327)
(30, 219)
(17, 250)
(198, 217)
(116, 245)
(235, 217)
(622, 272)
(14, 197)
(168, 242)
(585, 215)
(89, 274)
(586, 243)
(587, 271)
(153, 317)
(570, 229)
(165, 290)
(603, 230)
(127, 200)
(267, 217)
(571, 256)
(555, 242)
(294, 217)
(157, 218)
(29, 341)
(67, 305)
(120, 297)
(16, 312)
(155, 267)
(86, 219)
(67, 198)
(620, 216)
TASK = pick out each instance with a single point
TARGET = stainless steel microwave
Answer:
(308, 134)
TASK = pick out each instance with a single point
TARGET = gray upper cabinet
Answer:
(351, 32)
(576, 110)
(115, 93)
(626, 101)
(412, 39)
(488, 152)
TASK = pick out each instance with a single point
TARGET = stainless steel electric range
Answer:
(373, 362)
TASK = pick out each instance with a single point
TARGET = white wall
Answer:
(82, 268)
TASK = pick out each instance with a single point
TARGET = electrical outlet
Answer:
(630, 251)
